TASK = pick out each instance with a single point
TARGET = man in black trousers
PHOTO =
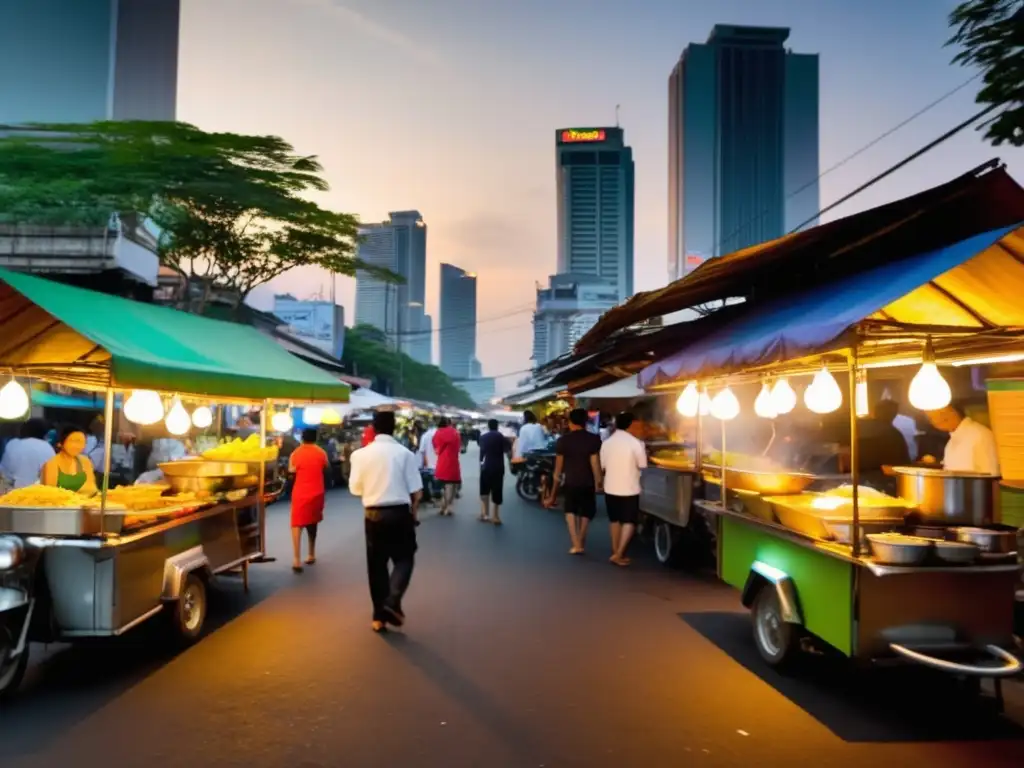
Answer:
(387, 477)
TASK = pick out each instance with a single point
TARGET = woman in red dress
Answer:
(308, 463)
(447, 446)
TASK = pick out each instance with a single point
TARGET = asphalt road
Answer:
(515, 654)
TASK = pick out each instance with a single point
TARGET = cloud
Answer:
(371, 28)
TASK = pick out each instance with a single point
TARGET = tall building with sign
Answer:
(594, 188)
(458, 323)
(398, 309)
(76, 61)
(743, 143)
(320, 323)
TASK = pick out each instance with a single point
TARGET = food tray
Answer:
(200, 468)
(767, 483)
(680, 464)
(58, 521)
(796, 513)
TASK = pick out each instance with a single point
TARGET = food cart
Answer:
(74, 568)
(838, 566)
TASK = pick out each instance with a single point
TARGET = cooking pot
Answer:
(940, 496)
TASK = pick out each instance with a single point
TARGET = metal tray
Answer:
(59, 521)
(796, 513)
(774, 483)
(203, 468)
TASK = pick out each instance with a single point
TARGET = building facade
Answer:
(743, 144)
(457, 330)
(319, 323)
(594, 187)
(76, 61)
(481, 389)
(566, 310)
(398, 309)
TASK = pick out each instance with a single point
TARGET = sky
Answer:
(450, 107)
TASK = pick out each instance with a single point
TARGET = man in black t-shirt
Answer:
(492, 472)
(577, 460)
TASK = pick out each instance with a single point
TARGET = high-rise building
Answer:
(399, 245)
(566, 310)
(76, 61)
(458, 323)
(743, 143)
(594, 187)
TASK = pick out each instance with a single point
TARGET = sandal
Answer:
(310, 561)
(296, 569)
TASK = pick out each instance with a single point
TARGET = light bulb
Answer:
(202, 417)
(861, 395)
(783, 397)
(704, 405)
(928, 390)
(143, 407)
(763, 405)
(688, 403)
(330, 417)
(824, 395)
(312, 416)
(282, 421)
(178, 422)
(725, 406)
(13, 400)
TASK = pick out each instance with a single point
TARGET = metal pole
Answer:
(262, 508)
(699, 460)
(108, 431)
(854, 451)
(724, 503)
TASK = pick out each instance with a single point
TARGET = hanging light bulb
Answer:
(861, 393)
(704, 405)
(143, 407)
(14, 400)
(725, 406)
(330, 417)
(688, 403)
(202, 417)
(312, 416)
(282, 421)
(178, 422)
(824, 395)
(783, 397)
(929, 391)
(763, 405)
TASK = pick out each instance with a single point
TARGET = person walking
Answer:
(447, 446)
(387, 478)
(493, 449)
(622, 458)
(428, 463)
(576, 459)
(308, 464)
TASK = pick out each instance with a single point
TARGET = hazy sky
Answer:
(449, 107)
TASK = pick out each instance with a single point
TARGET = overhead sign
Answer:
(575, 135)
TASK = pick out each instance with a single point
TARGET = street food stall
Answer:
(73, 567)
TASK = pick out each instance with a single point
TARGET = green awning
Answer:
(91, 340)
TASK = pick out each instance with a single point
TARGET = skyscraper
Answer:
(743, 143)
(84, 60)
(566, 310)
(400, 245)
(594, 181)
(458, 323)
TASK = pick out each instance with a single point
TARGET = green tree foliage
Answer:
(990, 35)
(233, 211)
(368, 355)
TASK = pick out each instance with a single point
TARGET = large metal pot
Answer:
(965, 498)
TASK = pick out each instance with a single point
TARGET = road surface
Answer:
(515, 654)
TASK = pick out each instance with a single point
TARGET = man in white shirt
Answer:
(531, 436)
(387, 477)
(971, 446)
(622, 458)
(24, 458)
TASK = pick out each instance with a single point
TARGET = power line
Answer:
(503, 316)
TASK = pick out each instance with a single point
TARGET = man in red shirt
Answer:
(447, 446)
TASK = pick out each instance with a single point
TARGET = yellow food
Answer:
(41, 496)
(248, 450)
(743, 461)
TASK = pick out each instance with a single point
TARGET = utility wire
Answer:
(503, 316)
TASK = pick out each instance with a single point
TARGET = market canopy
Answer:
(623, 389)
(91, 340)
(973, 288)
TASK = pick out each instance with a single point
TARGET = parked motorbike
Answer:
(534, 475)
(17, 598)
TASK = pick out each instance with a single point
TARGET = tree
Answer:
(232, 210)
(990, 34)
(367, 354)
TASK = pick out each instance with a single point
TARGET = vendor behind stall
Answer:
(971, 446)
(69, 469)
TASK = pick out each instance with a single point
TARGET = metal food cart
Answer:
(95, 570)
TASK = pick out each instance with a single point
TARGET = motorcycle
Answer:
(534, 474)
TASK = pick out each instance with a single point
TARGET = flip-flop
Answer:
(296, 569)
(310, 561)
(497, 522)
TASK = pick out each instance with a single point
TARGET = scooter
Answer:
(534, 475)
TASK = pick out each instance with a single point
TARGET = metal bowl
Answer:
(956, 552)
(895, 549)
(184, 484)
(203, 468)
(991, 541)
(839, 528)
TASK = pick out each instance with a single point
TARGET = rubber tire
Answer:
(668, 544)
(527, 488)
(180, 630)
(11, 683)
(788, 652)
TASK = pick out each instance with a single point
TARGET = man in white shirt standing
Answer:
(622, 458)
(24, 458)
(971, 447)
(387, 477)
(531, 436)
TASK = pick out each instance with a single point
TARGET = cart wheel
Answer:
(188, 614)
(777, 641)
(11, 673)
(667, 543)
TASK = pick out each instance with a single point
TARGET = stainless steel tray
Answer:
(58, 521)
(203, 468)
(796, 513)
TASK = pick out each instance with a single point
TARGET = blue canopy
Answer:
(818, 320)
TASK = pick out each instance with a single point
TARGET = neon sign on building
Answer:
(575, 135)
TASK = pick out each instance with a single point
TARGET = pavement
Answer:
(515, 654)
